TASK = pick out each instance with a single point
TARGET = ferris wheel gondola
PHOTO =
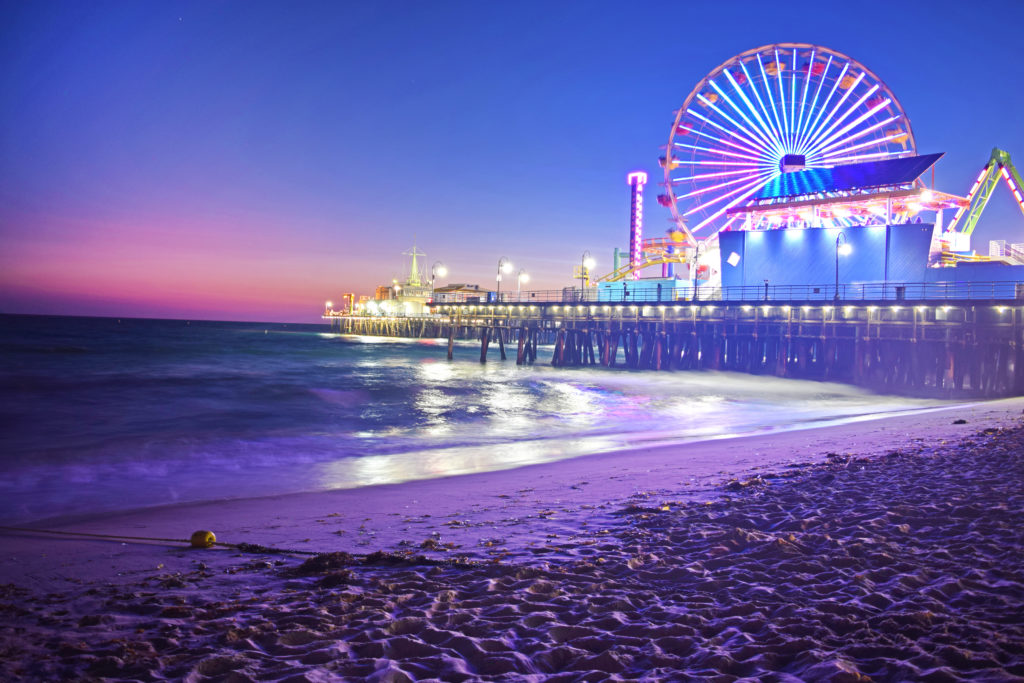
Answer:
(769, 111)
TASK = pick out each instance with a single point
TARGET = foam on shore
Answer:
(886, 549)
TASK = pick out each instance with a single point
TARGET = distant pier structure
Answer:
(928, 339)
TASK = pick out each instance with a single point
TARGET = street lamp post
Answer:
(504, 266)
(438, 269)
(586, 263)
(843, 247)
(521, 277)
(696, 267)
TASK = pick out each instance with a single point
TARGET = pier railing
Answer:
(868, 291)
(935, 338)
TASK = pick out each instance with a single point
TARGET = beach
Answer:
(887, 549)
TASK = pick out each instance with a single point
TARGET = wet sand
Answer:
(882, 550)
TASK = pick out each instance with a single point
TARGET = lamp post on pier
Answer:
(586, 263)
(436, 270)
(521, 277)
(504, 266)
(843, 248)
(698, 246)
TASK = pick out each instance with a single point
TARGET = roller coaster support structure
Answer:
(999, 164)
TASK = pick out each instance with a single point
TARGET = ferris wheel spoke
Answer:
(827, 136)
(782, 95)
(753, 149)
(715, 162)
(863, 157)
(764, 176)
(765, 128)
(792, 98)
(776, 131)
(830, 150)
(770, 144)
(803, 99)
(761, 133)
(822, 130)
(830, 140)
(705, 190)
(729, 143)
(757, 185)
(712, 150)
(750, 137)
(814, 102)
(771, 99)
(814, 127)
(718, 174)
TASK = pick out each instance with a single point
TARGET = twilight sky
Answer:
(249, 160)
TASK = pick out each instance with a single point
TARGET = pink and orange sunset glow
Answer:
(251, 161)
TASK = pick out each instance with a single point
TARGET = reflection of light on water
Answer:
(694, 407)
(433, 404)
(444, 462)
(438, 430)
(435, 372)
(510, 407)
(573, 399)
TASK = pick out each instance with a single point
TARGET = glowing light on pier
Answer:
(636, 181)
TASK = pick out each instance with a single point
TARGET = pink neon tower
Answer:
(636, 182)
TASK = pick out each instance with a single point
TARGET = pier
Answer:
(929, 339)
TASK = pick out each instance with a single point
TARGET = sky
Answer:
(250, 160)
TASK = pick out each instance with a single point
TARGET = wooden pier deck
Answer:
(950, 348)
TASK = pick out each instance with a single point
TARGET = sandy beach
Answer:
(886, 549)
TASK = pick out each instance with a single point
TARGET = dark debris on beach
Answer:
(908, 566)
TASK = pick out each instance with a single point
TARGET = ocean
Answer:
(101, 414)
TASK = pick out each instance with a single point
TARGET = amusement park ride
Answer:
(794, 136)
(999, 165)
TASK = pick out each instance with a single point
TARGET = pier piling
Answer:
(950, 349)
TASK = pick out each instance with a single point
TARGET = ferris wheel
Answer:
(771, 110)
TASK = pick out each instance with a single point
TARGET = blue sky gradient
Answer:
(247, 160)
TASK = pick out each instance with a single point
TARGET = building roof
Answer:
(460, 287)
(862, 176)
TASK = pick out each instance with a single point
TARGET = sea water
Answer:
(101, 414)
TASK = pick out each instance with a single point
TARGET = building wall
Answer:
(646, 289)
(808, 256)
(977, 272)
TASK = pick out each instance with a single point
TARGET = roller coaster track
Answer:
(999, 164)
(623, 272)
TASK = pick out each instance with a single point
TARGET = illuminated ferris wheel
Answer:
(771, 110)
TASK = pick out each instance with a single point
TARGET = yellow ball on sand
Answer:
(203, 539)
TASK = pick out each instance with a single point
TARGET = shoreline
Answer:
(887, 549)
(637, 444)
(354, 519)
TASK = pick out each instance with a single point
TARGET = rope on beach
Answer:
(200, 539)
(113, 537)
(206, 539)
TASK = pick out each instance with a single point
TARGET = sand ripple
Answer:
(903, 567)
